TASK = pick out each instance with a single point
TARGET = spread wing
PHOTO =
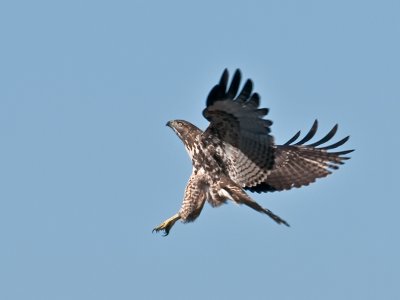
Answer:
(297, 164)
(237, 132)
(240, 139)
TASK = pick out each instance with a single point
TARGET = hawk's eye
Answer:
(180, 124)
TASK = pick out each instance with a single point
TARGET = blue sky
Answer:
(88, 168)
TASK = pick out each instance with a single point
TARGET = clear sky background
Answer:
(88, 168)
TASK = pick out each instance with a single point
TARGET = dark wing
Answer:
(297, 164)
(237, 131)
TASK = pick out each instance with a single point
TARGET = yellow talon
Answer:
(167, 224)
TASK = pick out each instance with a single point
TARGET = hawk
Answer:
(237, 153)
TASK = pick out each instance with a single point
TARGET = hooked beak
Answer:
(168, 124)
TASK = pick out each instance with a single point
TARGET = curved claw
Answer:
(157, 229)
(167, 224)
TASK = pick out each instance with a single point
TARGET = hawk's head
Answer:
(186, 131)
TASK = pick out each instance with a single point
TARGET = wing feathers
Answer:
(233, 89)
(337, 144)
(310, 134)
(246, 91)
(326, 138)
(295, 137)
(245, 147)
(297, 164)
(254, 101)
(236, 123)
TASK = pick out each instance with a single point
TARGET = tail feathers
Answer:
(240, 197)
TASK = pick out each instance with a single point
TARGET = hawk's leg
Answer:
(167, 224)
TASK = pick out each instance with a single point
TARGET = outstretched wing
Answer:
(237, 131)
(297, 164)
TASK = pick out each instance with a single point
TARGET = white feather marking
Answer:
(224, 193)
(314, 162)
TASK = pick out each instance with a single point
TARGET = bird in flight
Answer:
(237, 153)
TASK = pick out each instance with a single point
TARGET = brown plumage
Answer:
(237, 152)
